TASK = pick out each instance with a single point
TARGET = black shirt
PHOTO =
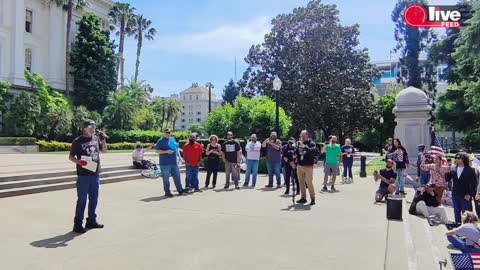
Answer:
(388, 174)
(216, 149)
(289, 153)
(349, 150)
(86, 146)
(230, 149)
(306, 156)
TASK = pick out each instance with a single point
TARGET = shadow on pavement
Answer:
(224, 190)
(298, 207)
(154, 199)
(55, 242)
(266, 189)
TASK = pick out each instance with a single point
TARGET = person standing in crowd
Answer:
(231, 153)
(464, 185)
(400, 157)
(289, 156)
(253, 149)
(437, 174)
(422, 174)
(192, 153)
(214, 152)
(167, 148)
(274, 159)
(387, 178)
(348, 152)
(85, 153)
(389, 145)
(466, 237)
(306, 151)
(333, 155)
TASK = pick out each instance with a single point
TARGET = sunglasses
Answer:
(91, 126)
(167, 132)
(458, 157)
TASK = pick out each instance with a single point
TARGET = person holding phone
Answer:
(347, 157)
(167, 148)
(274, 159)
(333, 156)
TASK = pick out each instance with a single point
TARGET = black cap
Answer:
(167, 130)
(88, 122)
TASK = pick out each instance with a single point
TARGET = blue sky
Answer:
(198, 40)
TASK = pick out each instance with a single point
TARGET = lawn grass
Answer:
(375, 165)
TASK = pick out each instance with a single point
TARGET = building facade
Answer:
(32, 37)
(389, 70)
(194, 100)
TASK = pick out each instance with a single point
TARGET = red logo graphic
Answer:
(419, 16)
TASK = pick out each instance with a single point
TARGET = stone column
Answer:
(18, 49)
(411, 114)
(56, 48)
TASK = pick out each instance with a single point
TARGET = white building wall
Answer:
(195, 111)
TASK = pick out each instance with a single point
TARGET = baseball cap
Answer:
(89, 122)
(389, 161)
(167, 131)
(253, 136)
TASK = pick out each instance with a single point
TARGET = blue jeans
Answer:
(347, 167)
(459, 206)
(274, 169)
(424, 178)
(252, 168)
(461, 245)
(87, 185)
(172, 170)
(400, 183)
(192, 177)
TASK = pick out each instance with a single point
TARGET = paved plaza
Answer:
(217, 229)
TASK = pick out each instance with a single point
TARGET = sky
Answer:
(197, 41)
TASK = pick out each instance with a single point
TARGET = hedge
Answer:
(146, 136)
(262, 165)
(17, 141)
(54, 146)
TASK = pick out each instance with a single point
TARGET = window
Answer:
(183, 120)
(28, 59)
(190, 97)
(199, 120)
(183, 113)
(28, 20)
(199, 113)
(190, 120)
(183, 127)
(197, 97)
(184, 98)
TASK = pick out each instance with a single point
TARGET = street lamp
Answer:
(209, 85)
(277, 84)
(381, 135)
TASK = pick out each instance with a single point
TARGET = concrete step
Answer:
(60, 179)
(7, 149)
(61, 186)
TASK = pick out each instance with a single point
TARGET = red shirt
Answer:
(193, 154)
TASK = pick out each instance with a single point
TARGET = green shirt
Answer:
(332, 154)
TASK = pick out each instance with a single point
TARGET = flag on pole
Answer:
(466, 261)
(436, 148)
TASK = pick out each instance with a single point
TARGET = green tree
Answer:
(385, 105)
(22, 116)
(93, 60)
(121, 15)
(230, 92)
(159, 112)
(451, 107)
(140, 26)
(173, 110)
(247, 116)
(321, 67)
(120, 110)
(81, 113)
(69, 5)
(411, 42)
(5, 96)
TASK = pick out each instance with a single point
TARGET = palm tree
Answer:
(69, 5)
(159, 109)
(121, 15)
(174, 108)
(121, 109)
(139, 91)
(141, 27)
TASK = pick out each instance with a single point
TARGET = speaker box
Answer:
(394, 208)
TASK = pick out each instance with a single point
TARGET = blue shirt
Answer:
(167, 144)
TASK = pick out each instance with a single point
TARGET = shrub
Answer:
(146, 136)
(126, 146)
(53, 146)
(17, 141)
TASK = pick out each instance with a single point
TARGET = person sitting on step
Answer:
(466, 237)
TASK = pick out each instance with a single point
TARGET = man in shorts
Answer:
(333, 155)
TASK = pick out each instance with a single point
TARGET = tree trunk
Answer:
(121, 60)
(67, 46)
(139, 51)
(173, 126)
(454, 144)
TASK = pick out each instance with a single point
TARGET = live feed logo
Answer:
(419, 16)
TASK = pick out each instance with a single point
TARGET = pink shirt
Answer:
(437, 174)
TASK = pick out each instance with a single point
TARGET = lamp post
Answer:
(381, 136)
(209, 85)
(277, 84)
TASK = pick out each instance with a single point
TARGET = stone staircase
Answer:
(44, 182)
(10, 150)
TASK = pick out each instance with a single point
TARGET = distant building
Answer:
(391, 68)
(194, 102)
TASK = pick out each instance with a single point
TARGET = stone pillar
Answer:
(411, 114)
(18, 49)
(56, 48)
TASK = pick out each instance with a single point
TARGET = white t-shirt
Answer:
(137, 155)
(459, 171)
(253, 150)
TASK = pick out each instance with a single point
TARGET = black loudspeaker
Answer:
(394, 208)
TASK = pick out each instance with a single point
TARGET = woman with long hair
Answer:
(400, 157)
(214, 151)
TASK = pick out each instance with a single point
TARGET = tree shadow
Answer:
(55, 242)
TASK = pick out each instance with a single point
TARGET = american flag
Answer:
(436, 148)
(466, 261)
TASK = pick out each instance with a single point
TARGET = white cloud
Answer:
(225, 41)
